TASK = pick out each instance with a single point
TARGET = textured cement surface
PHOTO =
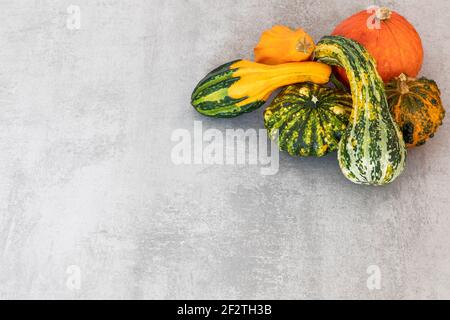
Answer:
(87, 182)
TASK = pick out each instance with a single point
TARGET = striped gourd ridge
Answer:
(372, 150)
(308, 119)
(416, 106)
(242, 86)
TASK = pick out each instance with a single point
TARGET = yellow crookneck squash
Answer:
(282, 44)
(242, 86)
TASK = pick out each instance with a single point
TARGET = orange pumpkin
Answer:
(389, 38)
(282, 45)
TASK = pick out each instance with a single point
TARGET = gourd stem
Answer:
(402, 84)
(303, 45)
(383, 13)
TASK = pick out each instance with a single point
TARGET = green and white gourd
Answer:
(372, 150)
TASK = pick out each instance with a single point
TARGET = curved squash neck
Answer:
(258, 81)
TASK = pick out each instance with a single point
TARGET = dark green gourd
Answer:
(308, 119)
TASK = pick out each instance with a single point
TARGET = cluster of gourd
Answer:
(385, 111)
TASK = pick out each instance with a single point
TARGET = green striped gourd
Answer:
(372, 150)
(308, 119)
(242, 86)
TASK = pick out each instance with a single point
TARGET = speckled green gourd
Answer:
(308, 119)
(416, 107)
(372, 150)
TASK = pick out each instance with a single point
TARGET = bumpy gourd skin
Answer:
(242, 86)
(372, 150)
(308, 119)
(416, 107)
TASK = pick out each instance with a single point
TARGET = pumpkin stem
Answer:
(383, 13)
(402, 83)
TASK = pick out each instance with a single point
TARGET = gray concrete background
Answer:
(86, 177)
